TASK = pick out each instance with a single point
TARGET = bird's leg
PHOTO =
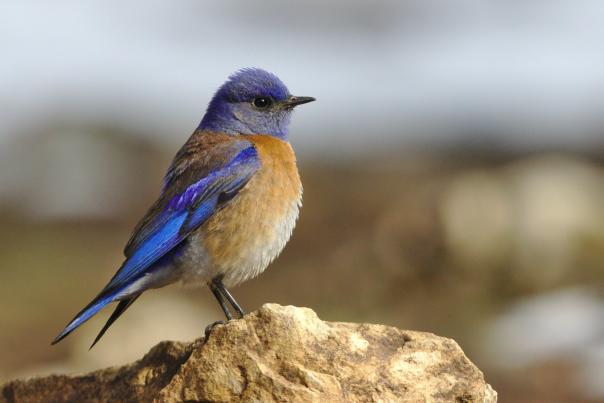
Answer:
(217, 282)
(220, 298)
(224, 307)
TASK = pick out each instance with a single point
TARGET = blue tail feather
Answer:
(89, 311)
(119, 310)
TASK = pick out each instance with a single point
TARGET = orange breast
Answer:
(246, 235)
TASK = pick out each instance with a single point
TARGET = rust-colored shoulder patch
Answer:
(272, 149)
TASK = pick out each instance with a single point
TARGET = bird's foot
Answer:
(211, 327)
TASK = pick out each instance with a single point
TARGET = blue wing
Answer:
(185, 212)
(183, 207)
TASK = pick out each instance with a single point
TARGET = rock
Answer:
(279, 354)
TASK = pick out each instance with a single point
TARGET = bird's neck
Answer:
(236, 127)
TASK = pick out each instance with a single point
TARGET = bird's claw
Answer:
(211, 327)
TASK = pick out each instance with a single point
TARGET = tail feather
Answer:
(89, 311)
(126, 294)
(119, 310)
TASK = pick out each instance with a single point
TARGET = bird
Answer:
(228, 205)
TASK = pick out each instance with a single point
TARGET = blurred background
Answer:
(453, 168)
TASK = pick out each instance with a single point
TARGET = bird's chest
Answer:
(246, 235)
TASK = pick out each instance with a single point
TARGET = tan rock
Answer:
(280, 354)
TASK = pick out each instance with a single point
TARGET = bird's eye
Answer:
(262, 102)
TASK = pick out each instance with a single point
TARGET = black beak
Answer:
(293, 101)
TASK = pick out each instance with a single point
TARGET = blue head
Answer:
(251, 101)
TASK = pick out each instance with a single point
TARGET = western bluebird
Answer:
(228, 204)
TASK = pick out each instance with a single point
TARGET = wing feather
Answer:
(178, 215)
(207, 172)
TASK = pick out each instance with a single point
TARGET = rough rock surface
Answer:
(279, 354)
